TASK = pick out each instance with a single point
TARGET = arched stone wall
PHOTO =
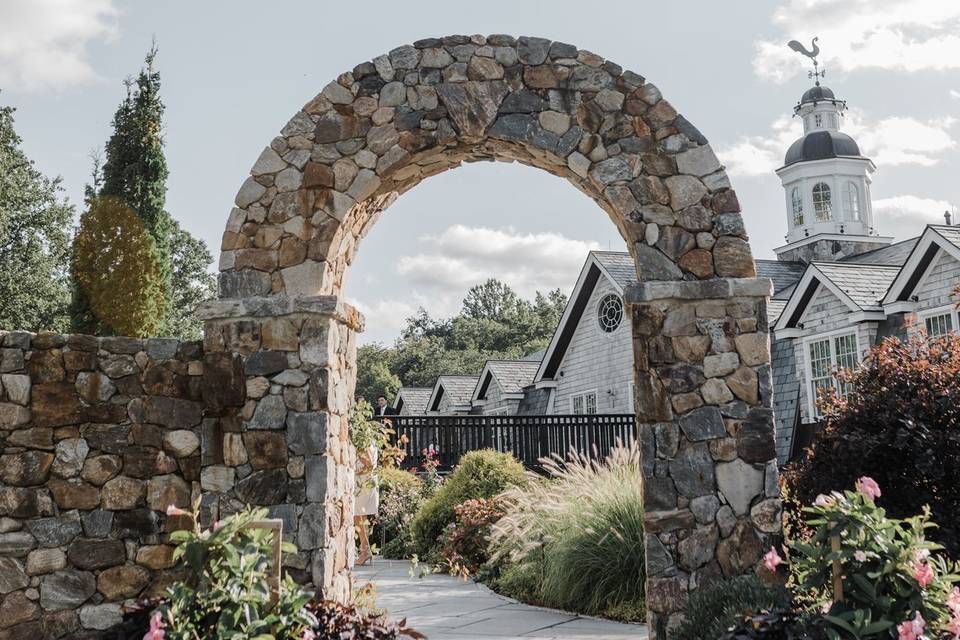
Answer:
(699, 313)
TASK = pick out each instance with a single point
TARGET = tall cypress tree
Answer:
(135, 171)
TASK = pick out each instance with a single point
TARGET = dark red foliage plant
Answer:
(899, 424)
(465, 542)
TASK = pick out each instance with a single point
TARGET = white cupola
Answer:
(826, 184)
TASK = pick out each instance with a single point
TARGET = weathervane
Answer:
(812, 54)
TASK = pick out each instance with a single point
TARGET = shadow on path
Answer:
(447, 608)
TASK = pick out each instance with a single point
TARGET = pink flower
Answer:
(953, 627)
(218, 525)
(772, 560)
(922, 572)
(868, 487)
(953, 600)
(860, 556)
(912, 629)
(174, 510)
(824, 501)
(309, 634)
(156, 631)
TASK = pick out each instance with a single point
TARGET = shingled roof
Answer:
(783, 274)
(619, 265)
(865, 284)
(415, 399)
(458, 388)
(513, 375)
(893, 255)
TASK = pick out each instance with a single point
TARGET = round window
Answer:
(610, 312)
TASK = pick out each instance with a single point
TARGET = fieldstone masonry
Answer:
(702, 357)
(100, 435)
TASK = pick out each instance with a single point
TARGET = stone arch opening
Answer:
(701, 347)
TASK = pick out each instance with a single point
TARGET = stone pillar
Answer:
(280, 374)
(704, 407)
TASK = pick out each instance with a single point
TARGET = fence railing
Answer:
(528, 438)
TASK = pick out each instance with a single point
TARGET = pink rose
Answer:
(912, 629)
(859, 556)
(772, 560)
(174, 510)
(868, 487)
(922, 572)
(309, 634)
(156, 631)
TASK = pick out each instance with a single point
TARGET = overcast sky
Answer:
(234, 72)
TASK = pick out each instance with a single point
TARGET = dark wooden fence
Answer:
(529, 438)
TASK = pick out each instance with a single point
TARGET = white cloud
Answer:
(863, 34)
(43, 43)
(954, 93)
(462, 256)
(888, 142)
(904, 216)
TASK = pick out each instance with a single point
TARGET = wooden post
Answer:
(837, 577)
(276, 525)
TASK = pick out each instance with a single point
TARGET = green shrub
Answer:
(401, 494)
(587, 525)
(711, 612)
(481, 474)
(520, 580)
(227, 593)
(890, 575)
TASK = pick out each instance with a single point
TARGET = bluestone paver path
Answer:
(447, 608)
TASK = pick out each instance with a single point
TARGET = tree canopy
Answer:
(35, 224)
(494, 323)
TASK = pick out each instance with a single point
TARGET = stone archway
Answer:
(699, 313)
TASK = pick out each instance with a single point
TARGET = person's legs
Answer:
(360, 522)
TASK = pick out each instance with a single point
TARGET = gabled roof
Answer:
(618, 268)
(774, 309)
(933, 240)
(457, 388)
(416, 399)
(865, 284)
(618, 265)
(511, 375)
(859, 286)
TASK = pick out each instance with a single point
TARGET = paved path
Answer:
(447, 608)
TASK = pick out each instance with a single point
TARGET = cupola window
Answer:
(818, 120)
(796, 203)
(851, 202)
(822, 206)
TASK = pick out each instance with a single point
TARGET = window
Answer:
(610, 312)
(938, 325)
(821, 202)
(585, 403)
(827, 355)
(818, 120)
(851, 201)
(796, 203)
(941, 321)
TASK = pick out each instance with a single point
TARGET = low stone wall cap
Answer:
(716, 288)
(273, 306)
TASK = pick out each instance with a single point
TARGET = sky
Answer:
(234, 72)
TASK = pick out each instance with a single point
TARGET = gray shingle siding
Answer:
(786, 394)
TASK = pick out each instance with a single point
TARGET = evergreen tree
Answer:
(115, 264)
(34, 240)
(135, 171)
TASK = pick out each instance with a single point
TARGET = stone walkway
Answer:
(447, 608)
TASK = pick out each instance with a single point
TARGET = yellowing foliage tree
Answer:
(115, 265)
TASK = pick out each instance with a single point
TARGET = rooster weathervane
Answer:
(812, 54)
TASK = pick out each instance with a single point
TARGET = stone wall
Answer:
(100, 435)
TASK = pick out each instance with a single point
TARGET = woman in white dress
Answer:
(366, 498)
